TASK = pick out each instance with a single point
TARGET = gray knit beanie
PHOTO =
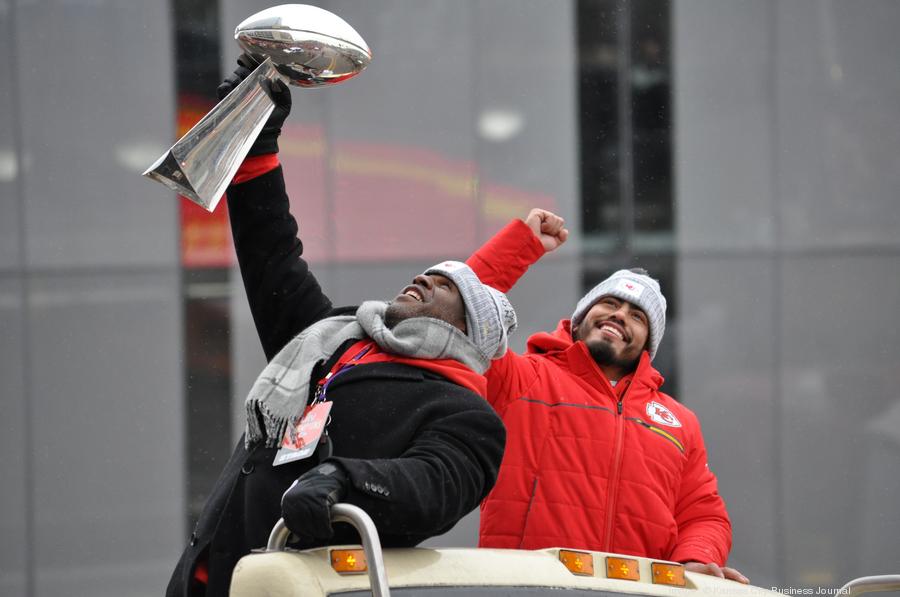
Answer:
(490, 317)
(636, 287)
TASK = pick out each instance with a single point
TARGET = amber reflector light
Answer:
(577, 562)
(348, 561)
(622, 568)
(668, 574)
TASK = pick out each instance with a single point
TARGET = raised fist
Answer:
(548, 227)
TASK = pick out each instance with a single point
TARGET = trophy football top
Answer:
(308, 45)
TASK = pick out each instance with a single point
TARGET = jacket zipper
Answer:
(617, 465)
(661, 432)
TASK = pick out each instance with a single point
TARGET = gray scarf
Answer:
(280, 393)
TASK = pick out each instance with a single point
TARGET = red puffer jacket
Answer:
(588, 465)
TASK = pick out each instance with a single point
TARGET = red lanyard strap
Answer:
(339, 367)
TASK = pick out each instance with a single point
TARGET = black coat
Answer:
(419, 450)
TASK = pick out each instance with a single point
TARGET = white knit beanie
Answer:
(490, 317)
(636, 287)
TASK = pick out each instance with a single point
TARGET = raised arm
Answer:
(505, 258)
(500, 262)
(284, 296)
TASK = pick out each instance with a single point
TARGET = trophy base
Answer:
(202, 163)
(168, 171)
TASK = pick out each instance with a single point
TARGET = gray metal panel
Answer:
(353, 283)
(525, 121)
(418, 89)
(795, 108)
(723, 124)
(14, 548)
(841, 448)
(525, 74)
(10, 201)
(839, 131)
(727, 358)
(93, 119)
(403, 158)
(106, 392)
(547, 293)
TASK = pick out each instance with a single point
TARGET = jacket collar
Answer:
(559, 344)
(392, 367)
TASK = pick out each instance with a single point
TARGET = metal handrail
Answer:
(870, 584)
(358, 518)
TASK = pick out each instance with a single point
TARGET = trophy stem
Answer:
(202, 163)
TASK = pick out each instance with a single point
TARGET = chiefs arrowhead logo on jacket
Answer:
(662, 415)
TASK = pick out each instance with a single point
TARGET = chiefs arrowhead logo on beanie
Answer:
(636, 287)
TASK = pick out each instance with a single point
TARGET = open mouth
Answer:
(414, 293)
(613, 330)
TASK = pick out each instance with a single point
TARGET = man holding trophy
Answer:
(404, 430)
(381, 406)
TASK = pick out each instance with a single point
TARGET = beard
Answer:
(401, 311)
(603, 354)
(394, 314)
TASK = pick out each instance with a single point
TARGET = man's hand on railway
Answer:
(713, 569)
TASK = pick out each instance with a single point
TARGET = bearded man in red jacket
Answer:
(597, 457)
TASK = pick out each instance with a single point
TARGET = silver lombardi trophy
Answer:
(303, 45)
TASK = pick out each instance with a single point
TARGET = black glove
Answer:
(306, 505)
(267, 141)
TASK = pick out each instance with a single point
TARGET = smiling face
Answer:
(616, 332)
(428, 296)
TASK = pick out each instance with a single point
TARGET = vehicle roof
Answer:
(309, 573)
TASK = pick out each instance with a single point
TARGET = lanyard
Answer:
(322, 386)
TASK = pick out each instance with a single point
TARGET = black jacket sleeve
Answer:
(449, 467)
(285, 298)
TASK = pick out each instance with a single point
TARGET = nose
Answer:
(423, 280)
(620, 314)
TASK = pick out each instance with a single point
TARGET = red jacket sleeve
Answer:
(704, 529)
(255, 166)
(508, 378)
(499, 263)
(505, 258)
